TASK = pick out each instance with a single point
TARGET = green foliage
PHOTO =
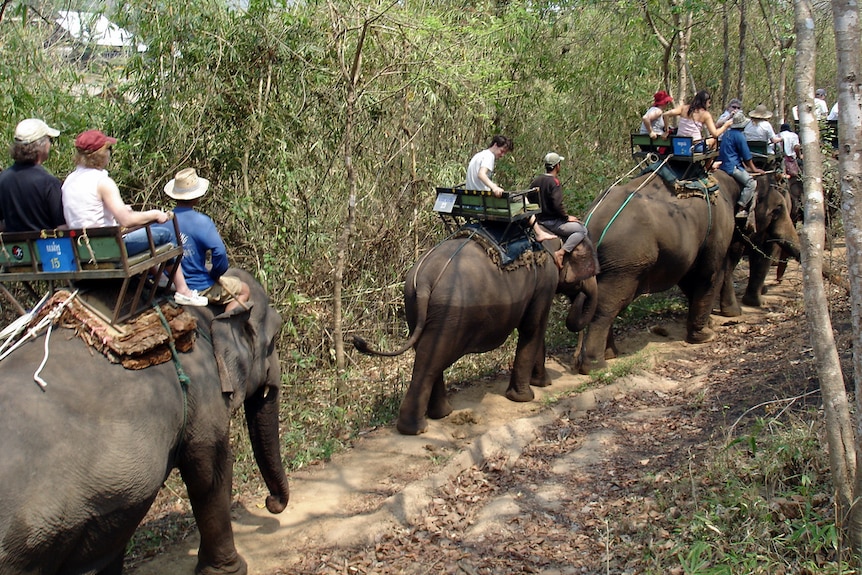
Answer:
(256, 101)
(763, 505)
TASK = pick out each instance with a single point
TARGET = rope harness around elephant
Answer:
(181, 374)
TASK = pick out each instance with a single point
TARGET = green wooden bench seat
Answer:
(761, 157)
(480, 205)
(679, 147)
(82, 255)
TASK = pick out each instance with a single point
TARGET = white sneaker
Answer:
(194, 299)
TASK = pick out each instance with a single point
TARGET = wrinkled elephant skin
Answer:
(82, 461)
(773, 239)
(649, 240)
(458, 301)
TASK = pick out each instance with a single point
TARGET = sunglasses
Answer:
(735, 107)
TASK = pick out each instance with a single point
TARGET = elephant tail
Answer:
(422, 314)
(362, 346)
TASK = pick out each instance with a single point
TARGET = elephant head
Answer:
(244, 346)
(578, 282)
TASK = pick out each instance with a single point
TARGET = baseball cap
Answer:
(553, 158)
(29, 130)
(93, 140)
(820, 93)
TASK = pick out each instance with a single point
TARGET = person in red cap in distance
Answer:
(652, 122)
(30, 196)
(92, 199)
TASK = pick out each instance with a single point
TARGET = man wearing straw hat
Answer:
(199, 236)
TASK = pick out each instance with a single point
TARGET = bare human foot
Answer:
(542, 234)
(558, 258)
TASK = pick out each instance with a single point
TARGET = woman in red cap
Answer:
(91, 199)
(652, 122)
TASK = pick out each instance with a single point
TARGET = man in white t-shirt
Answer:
(480, 171)
(821, 109)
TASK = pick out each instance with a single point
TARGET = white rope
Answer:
(36, 377)
(48, 320)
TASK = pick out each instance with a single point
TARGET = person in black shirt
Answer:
(554, 216)
(31, 198)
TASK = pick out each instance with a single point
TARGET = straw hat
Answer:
(186, 185)
(760, 113)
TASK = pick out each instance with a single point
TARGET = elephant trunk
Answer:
(261, 415)
(789, 247)
(583, 306)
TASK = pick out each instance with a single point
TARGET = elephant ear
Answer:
(243, 341)
(583, 263)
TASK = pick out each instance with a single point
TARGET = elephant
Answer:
(650, 239)
(459, 301)
(774, 239)
(83, 459)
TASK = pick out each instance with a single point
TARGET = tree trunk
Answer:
(839, 430)
(845, 15)
(740, 82)
(350, 76)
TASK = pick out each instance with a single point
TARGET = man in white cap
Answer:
(821, 108)
(31, 198)
(199, 237)
(554, 216)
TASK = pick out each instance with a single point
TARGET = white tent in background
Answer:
(92, 28)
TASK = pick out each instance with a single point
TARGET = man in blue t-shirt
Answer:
(736, 159)
(200, 236)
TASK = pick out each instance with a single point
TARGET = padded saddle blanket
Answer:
(140, 342)
(686, 180)
(507, 245)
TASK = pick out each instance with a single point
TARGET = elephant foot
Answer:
(700, 336)
(236, 567)
(732, 311)
(586, 367)
(610, 353)
(439, 411)
(514, 395)
(543, 381)
(751, 300)
(412, 428)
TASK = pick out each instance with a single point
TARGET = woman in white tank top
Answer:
(91, 199)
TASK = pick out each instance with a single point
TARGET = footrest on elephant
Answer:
(136, 344)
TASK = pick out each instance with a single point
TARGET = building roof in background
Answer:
(93, 28)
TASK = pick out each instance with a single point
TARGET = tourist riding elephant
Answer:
(82, 459)
(649, 239)
(459, 301)
(773, 240)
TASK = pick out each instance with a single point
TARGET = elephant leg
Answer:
(728, 304)
(540, 377)
(529, 364)
(701, 294)
(438, 404)
(426, 393)
(758, 269)
(208, 473)
(522, 370)
(596, 344)
(115, 567)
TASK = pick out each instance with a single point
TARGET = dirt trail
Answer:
(387, 484)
